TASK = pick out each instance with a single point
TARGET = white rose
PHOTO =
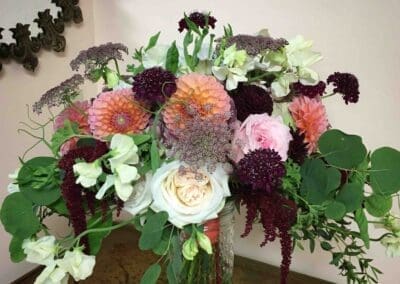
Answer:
(141, 197)
(52, 275)
(41, 251)
(87, 173)
(78, 264)
(189, 197)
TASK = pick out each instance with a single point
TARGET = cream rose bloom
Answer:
(140, 198)
(189, 197)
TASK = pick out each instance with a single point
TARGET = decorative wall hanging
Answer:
(25, 47)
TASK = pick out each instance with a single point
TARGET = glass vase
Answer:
(216, 268)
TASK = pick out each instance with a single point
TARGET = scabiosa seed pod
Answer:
(251, 99)
(308, 91)
(201, 20)
(153, 86)
(345, 84)
(263, 169)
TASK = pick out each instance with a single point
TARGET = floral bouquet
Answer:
(189, 131)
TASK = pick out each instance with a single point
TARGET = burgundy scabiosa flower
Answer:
(251, 99)
(154, 85)
(262, 169)
(345, 84)
(297, 147)
(201, 20)
(308, 91)
(276, 214)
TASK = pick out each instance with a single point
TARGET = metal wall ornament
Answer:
(25, 48)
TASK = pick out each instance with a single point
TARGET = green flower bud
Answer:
(190, 248)
(204, 242)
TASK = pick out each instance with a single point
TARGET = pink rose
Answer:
(261, 131)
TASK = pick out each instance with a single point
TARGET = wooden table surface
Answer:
(121, 261)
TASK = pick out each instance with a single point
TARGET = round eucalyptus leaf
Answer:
(385, 171)
(378, 205)
(335, 210)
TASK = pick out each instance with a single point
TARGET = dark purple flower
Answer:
(199, 19)
(251, 99)
(256, 44)
(345, 84)
(60, 94)
(276, 214)
(308, 91)
(154, 85)
(262, 169)
(297, 147)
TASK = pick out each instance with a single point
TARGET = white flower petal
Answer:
(52, 275)
(107, 184)
(40, 251)
(78, 264)
(126, 173)
(88, 173)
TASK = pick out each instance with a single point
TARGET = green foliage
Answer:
(15, 248)
(351, 195)
(385, 171)
(151, 275)
(111, 78)
(378, 205)
(318, 181)
(335, 210)
(175, 264)
(95, 239)
(155, 156)
(39, 180)
(362, 223)
(162, 247)
(342, 150)
(172, 62)
(59, 207)
(140, 139)
(68, 131)
(292, 178)
(153, 230)
(152, 41)
(18, 216)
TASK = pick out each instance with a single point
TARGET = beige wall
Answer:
(18, 88)
(359, 36)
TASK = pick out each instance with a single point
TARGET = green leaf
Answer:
(151, 275)
(153, 230)
(96, 74)
(318, 181)
(15, 248)
(378, 205)
(18, 217)
(171, 276)
(162, 247)
(192, 26)
(351, 195)
(39, 180)
(385, 171)
(95, 239)
(335, 210)
(140, 139)
(154, 156)
(342, 150)
(172, 62)
(153, 41)
(68, 131)
(176, 258)
(59, 207)
(326, 246)
(362, 223)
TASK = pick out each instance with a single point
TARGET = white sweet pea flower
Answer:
(124, 176)
(78, 264)
(234, 67)
(52, 275)
(300, 57)
(155, 56)
(189, 197)
(281, 86)
(87, 173)
(40, 251)
(392, 245)
(13, 186)
(140, 198)
(124, 151)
